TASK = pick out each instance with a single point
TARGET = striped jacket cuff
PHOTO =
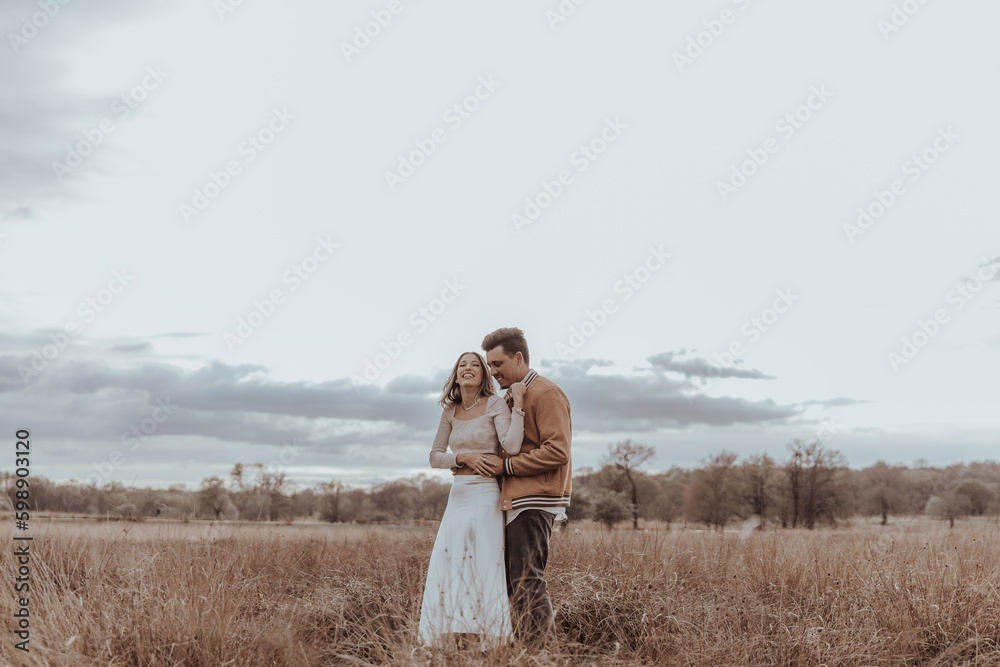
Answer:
(508, 468)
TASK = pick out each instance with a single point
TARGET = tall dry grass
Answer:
(230, 595)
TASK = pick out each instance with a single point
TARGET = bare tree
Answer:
(814, 480)
(950, 506)
(918, 484)
(626, 457)
(979, 494)
(883, 490)
(433, 497)
(667, 495)
(793, 479)
(259, 491)
(272, 485)
(610, 507)
(758, 484)
(398, 499)
(713, 496)
(213, 498)
(242, 495)
(330, 500)
(580, 507)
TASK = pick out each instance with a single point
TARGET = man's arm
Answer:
(554, 434)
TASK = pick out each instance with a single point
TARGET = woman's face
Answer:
(470, 371)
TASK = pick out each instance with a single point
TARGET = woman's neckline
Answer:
(454, 414)
(468, 420)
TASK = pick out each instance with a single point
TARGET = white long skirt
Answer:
(466, 589)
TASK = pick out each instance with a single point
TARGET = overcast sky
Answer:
(263, 232)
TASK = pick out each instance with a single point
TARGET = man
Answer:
(537, 482)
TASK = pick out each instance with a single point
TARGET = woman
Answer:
(466, 589)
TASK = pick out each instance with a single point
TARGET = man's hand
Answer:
(517, 393)
(495, 464)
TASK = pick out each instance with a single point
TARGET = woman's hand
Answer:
(477, 462)
(517, 393)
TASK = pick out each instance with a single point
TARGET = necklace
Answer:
(473, 405)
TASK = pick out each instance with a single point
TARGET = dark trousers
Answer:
(526, 551)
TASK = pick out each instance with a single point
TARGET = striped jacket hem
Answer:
(539, 502)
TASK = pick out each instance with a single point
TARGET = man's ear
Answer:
(519, 357)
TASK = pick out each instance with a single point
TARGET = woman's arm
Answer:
(509, 426)
(440, 456)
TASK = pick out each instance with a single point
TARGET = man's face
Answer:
(506, 369)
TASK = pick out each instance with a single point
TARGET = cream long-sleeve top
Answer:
(499, 427)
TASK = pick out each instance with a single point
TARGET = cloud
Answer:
(39, 114)
(85, 395)
(243, 403)
(698, 367)
(651, 401)
(181, 334)
(16, 213)
(838, 402)
(97, 398)
(38, 120)
(131, 347)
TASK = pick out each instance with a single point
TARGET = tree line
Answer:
(812, 485)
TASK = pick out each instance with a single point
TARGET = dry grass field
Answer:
(200, 594)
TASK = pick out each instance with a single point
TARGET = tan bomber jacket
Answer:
(539, 475)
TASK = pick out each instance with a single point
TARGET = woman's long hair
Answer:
(453, 393)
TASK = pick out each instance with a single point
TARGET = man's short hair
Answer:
(511, 339)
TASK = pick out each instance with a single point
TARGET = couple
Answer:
(510, 458)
